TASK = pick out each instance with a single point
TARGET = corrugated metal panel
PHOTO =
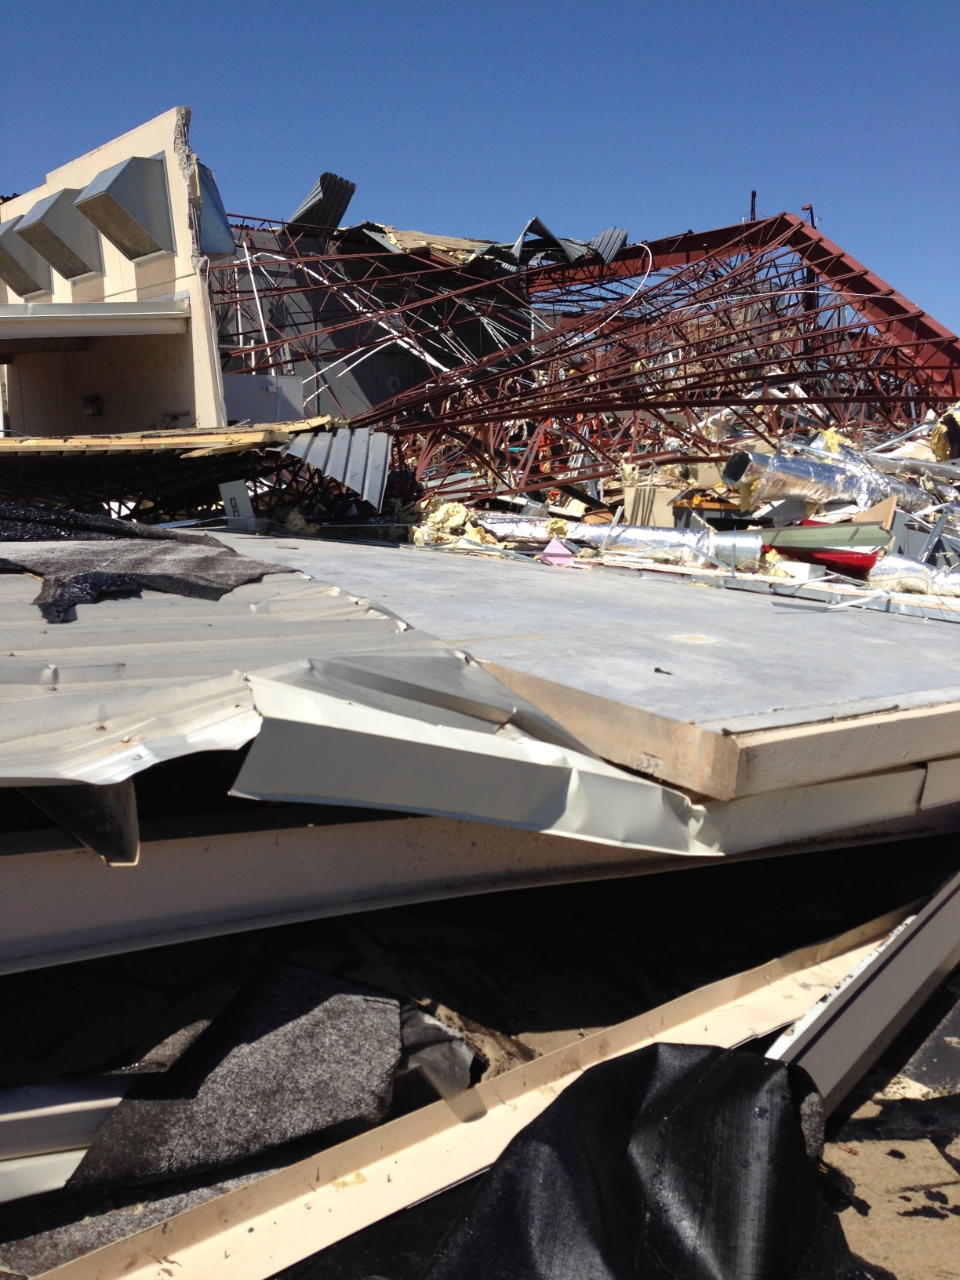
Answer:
(378, 461)
(336, 467)
(136, 681)
(355, 457)
(356, 468)
(317, 449)
(327, 202)
(609, 243)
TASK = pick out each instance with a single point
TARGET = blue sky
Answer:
(469, 119)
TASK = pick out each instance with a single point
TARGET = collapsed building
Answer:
(290, 821)
(474, 368)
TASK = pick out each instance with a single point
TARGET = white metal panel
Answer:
(32, 1175)
(66, 905)
(339, 455)
(319, 748)
(378, 460)
(39, 1118)
(357, 464)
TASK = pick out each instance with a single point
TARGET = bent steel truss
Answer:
(496, 376)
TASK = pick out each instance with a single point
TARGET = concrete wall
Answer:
(143, 384)
(174, 375)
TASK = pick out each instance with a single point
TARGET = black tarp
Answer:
(677, 1162)
(83, 558)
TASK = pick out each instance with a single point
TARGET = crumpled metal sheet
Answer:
(322, 748)
(322, 744)
(691, 547)
(135, 682)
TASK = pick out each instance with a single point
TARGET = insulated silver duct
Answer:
(900, 573)
(819, 479)
(741, 550)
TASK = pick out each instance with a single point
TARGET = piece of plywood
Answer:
(881, 514)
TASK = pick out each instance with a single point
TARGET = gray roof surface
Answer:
(729, 654)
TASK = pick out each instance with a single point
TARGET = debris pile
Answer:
(870, 525)
(320, 862)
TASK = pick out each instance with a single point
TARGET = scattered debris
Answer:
(253, 732)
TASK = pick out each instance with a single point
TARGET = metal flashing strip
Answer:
(833, 596)
(33, 1175)
(851, 1031)
(830, 713)
(321, 747)
(92, 319)
(257, 1230)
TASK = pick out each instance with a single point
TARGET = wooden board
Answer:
(201, 443)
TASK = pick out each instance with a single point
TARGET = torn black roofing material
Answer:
(82, 558)
(674, 1160)
(24, 522)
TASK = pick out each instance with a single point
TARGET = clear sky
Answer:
(468, 119)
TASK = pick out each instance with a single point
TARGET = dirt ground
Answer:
(893, 1164)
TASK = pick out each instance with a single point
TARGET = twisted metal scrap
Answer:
(677, 350)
